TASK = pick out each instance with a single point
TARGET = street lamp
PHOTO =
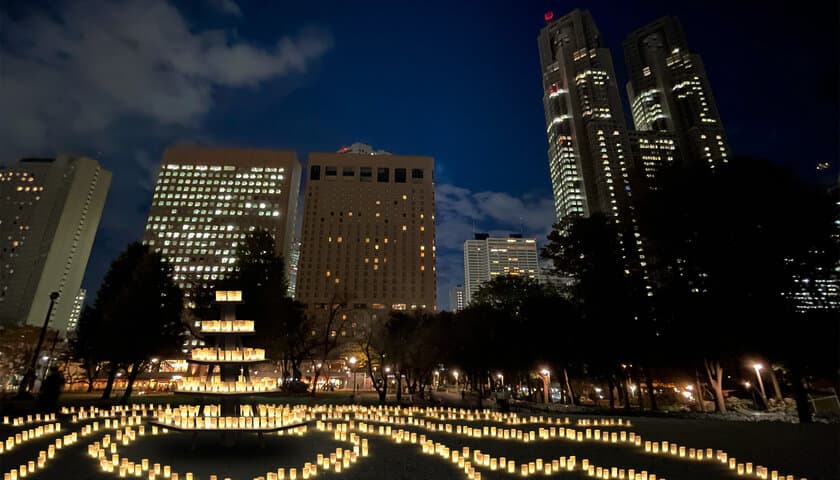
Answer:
(758, 367)
(29, 377)
(546, 375)
(352, 361)
(501, 378)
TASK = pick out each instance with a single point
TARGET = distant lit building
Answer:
(368, 236)
(294, 259)
(208, 199)
(487, 257)
(49, 213)
(457, 298)
(816, 293)
(76, 312)
(669, 91)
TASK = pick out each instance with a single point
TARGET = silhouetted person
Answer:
(51, 389)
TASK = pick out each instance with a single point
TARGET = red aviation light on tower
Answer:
(548, 16)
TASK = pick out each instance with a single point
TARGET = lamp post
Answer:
(352, 361)
(758, 367)
(546, 376)
(29, 377)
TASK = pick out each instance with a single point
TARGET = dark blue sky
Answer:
(459, 81)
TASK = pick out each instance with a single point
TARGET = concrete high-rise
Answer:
(49, 212)
(368, 234)
(294, 260)
(457, 298)
(487, 257)
(588, 148)
(669, 92)
(207, 200)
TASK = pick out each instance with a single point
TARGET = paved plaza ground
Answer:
(802, 450)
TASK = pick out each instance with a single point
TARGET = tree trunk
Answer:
(399, 386)
(698, 392)
(611, 395)
(572, 396)
(132, 376)
(651, 392)
(639, 397)
(626, 394)
(714, 372)
(777, 391)
(800, 394)
(109, 385)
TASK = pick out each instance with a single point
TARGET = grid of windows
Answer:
(370, 244)
(201, 211)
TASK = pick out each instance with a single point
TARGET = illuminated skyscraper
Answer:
(368, 231)
(457, 298)
(487, 257)
(588, 148)
(49, 212)
(207, 200)
(294, 260)
(669, 91)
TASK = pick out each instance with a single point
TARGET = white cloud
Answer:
(121, 79)
(70, 76)
(460, 211)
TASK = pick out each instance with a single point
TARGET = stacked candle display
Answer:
(210, 354)
(227, 326)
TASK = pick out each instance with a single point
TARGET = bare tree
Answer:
(328, 331)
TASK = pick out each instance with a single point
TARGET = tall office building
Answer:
(652, 151)
(669, 91)
(207, 200)
(588, 149)
(487, 257)
(49, 212)
(457, 298)
(76, 311)
(368, 231)
(294, 260)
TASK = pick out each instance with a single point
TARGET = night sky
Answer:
(459, 81)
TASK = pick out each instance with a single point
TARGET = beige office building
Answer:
(207, 200)
(368, 231)
(487, 257)
(49, 212)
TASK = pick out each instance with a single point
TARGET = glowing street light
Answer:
(501, 378)
(352, 361)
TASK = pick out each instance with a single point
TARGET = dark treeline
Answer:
(702, 281)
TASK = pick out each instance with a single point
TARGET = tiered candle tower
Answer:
(228, 382)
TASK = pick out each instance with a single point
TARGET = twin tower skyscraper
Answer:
(595, 162)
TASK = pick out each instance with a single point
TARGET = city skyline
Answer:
(466, 176)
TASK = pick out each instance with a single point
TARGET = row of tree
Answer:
(702, 278)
